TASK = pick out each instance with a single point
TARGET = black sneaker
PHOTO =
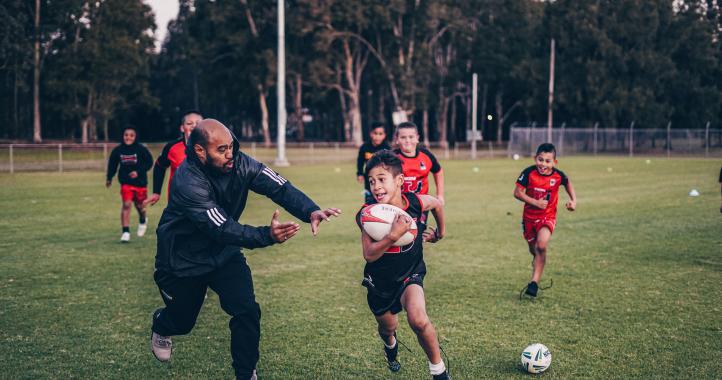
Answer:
(443, 376)
(532, 289)
(391, 354)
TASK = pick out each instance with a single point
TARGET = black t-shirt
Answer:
(131, 158)
(399, 262)
(364, 154)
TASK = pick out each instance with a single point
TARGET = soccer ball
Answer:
(536, 358)
(515, 156)
(376, 220)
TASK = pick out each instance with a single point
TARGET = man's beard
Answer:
(215, 170)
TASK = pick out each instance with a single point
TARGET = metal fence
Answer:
(705, 142)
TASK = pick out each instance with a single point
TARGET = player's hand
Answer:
(280, 232)
(542, 203)
(360, 179)
(571, 205)
(399, 227)
(320, 215)
(153, 199)
(133, 174)
(107, 183)
(432, 235)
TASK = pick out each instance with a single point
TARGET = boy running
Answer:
(538, 187)
(377, 142)
(394, 276)
(173, 154)
(135, 160)
(418, 162)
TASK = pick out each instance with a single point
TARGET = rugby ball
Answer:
(376, 220)
(536, 358)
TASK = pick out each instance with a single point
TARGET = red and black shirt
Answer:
(540, 186)
(174, 153)
(417, 169)
(398, 262)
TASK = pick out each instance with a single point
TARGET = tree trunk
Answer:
(442, 112)
(354, 110)
(425, 126)
(453, 120)
(87, 120)
(264, 116)
(484, 123)
(16, 118)
(345, 114)
(37, 129)
(105, 129)
(298, 106)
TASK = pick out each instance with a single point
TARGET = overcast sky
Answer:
(165, 10)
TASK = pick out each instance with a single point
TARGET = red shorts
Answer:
(530, 228)
(133, 193)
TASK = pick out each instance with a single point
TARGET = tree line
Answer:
(83, 70)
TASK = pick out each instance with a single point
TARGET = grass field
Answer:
(637, 272)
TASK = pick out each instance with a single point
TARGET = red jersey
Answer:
(540, 186)
(417, 169)
(174, 153)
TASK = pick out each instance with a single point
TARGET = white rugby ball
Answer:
(536, 358)
(376, 220)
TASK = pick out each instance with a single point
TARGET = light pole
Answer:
(281, 88)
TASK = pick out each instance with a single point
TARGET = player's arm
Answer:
(572, 204)
(520, 194)
(112, 167)
(159, 167)
(373, 250)
(437, 209)
(267, 182)
(439, 180)
(146, 161)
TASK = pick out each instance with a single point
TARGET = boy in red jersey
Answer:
(173, 154)
(538, 187)
(394, 275)
(418, 162)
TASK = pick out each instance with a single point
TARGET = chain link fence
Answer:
(705, 142)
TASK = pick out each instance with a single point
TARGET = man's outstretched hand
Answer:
(320, 215)
(282, 231)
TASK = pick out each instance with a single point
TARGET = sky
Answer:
(165, 10)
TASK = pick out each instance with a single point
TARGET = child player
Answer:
(134, 160)
(394, 275)
(377, 142)
(418, 162)
(538, 187)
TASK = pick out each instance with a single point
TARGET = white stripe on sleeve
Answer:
(218, 215)
(213, 218)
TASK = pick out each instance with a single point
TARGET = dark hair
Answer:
(546, 148)
(406, 125)
(377, 124)
(386, 159)
(188, 112)
(198, 136)
(132, 128)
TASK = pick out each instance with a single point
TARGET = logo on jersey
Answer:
(521, 177)
(552, 182)
(421, 164)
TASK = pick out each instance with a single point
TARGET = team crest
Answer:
(552, 182)
(423, 167)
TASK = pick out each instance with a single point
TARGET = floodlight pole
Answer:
(551, 93)
(474, 85)
(281, 88)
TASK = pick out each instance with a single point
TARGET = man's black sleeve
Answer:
(112, 164)
(161, 164)
(265, 181)
(194, 199)
(360, 161)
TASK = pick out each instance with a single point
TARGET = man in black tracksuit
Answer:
(200, 240)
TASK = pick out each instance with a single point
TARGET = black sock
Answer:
(126, 229)
(142, 219)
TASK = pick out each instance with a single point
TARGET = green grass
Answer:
(636, 269)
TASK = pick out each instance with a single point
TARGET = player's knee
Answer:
(541, 248)
(127, 205)
(419, 322)
(243, 310)
(386, 331)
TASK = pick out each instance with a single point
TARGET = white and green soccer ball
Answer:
(536, 358)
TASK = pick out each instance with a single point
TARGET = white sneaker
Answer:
(125, 237)
(142, 228)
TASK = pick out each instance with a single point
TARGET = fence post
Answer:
(596, 126)
(706, 140)
(12, 164)
(105, 152)
(446, 151)
(310, 150)
(669, 138)
(491, 149)
(631, 140)
(60, 158)
(336, 148)
(253, 149)
(561, 138)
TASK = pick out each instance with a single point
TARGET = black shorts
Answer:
(381, 300)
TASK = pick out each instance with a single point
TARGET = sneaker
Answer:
(391, 357)
(160, 346)
(442, 376)
(142, 228)
(125, 237)
(532, 289)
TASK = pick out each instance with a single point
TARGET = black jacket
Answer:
(135, 157)
(198, 231)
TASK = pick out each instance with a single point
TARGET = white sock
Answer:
(391, 346)
(437, 369)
